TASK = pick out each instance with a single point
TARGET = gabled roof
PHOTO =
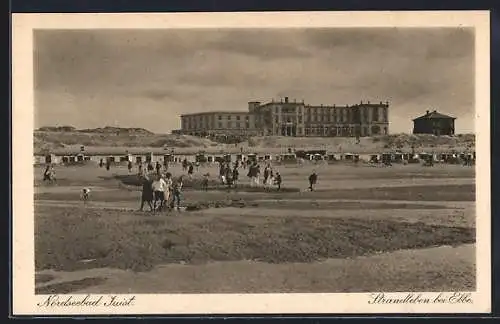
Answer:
(434, 115)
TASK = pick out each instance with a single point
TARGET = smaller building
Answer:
(434, 123)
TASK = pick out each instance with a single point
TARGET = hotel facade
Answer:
(286, 118)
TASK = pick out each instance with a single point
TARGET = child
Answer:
(204, 183)
(85, 195)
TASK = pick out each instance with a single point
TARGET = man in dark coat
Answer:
(313, 178)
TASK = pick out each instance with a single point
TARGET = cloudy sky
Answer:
(146, 78)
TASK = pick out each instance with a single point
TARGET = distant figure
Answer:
(229, 177)
(101, 163)
(313, 178)
(85, 195)
(129, 166)
(150, 167)
(222, 173)
(108, 164)
(204, 183)
(267, 173)
(141, 170)
(147, 193)
(236, 175)
(158, 167)
(270, 179)
(190, 170)
(184, 164)
(176, 194)
(49, 174)
(253, 174)
(159, 187)
(168, 189)
(197, 166)
(277, 180)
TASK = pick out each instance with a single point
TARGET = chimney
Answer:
(426, 112)
(286, 99)
(368, 101)
(435, 111)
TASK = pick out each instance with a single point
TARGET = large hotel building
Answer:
(286, 118)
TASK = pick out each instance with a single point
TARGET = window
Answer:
(228, 117)
(247, 124)
(220, 125)
(300, 119)
(375, 114)
(237, 117)
(237, 124)
(220, 117)
(299, 130)
(277, 109)
(277, 119)
(246, 117)
(229, 124)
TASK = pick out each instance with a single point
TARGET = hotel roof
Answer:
(434, 115)
(219, 112)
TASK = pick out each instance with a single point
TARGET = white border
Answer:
(24, 300)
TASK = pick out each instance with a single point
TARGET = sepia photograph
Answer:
(256, 160)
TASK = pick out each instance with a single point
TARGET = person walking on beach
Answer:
(313, 178)
(277, 180)
(176, 194)
(158, 167)
(204, 183)
(159, 187)
(252, 173)
(190, 170)
(267, 173)
(147, 193)
(236, 175)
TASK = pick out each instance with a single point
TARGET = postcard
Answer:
(251, 163)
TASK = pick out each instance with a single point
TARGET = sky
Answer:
(147, 78)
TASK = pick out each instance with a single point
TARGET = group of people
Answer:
(160, 191)
(229, 176)
(270, 177)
